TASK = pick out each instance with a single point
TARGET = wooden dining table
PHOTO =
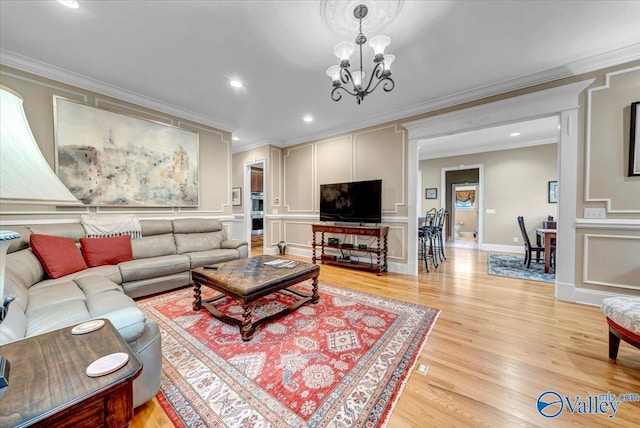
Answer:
(548, 235)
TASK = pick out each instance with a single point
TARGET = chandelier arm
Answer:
(377, 72)
(337, 96)
(387, 81)
(345, 76)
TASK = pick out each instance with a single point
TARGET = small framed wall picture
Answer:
(552, 192)
(431, 193)
(236, 196)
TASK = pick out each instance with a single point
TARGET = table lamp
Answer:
(25, 178)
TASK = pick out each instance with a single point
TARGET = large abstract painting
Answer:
(111, 159)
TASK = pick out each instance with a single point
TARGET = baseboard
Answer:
(565, 292)
(517, 249)
(592, 297)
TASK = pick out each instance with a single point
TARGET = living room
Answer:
(479, 332)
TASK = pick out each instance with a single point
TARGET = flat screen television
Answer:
(354, 202)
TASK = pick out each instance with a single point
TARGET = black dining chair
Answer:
(440, 233)
(528, 247)
(427, 236)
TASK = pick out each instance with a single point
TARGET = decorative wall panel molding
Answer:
(605, 255)
(616, 169)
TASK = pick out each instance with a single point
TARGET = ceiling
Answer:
(178, 56)
(522, 134)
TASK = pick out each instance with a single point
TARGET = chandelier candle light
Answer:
(341, 75)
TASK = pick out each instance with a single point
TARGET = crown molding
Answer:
(39, 68)
(573, 68)
(246, 147)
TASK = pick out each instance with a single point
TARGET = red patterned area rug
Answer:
(341, 362)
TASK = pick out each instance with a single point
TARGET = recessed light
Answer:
(308, 119)
(236, 83)
(235, 138)
(515, 134)
(71, 4)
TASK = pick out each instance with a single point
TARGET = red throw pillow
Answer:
(59, 256)
(106, 251)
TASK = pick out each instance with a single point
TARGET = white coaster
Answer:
(107, 364)
(87, 327)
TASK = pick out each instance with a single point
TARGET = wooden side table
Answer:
(49, 387)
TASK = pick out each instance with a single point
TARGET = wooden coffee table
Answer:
(247, 280)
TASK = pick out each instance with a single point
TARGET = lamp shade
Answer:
(25, 175)
(344, 50)
(388, 60)
(379, 44)
(334, 73)
(358, 77)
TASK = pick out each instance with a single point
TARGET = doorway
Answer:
(255, 205)
(468, 180)
(562, 102)
(464, 214)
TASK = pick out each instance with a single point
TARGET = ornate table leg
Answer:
(385, 251)
(322, 246)
(315, 297)
(247, 329)
(379, 270)
(197, 298)
(313, 249)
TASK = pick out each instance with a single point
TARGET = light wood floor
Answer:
(497, 345)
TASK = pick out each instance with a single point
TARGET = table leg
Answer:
(313, 249)
(247, 328)
(379, 268)
(385, 251)
(315, 297)
(197, 296)
(547, 252)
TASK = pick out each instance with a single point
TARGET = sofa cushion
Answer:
(23, 265)
(189, 242)
(155, 267)
(57, 316)
(110, 272)
(204, 258)
(59, 256)
(74, 231)
(92, 285)
(107, 300)
(153, 246)
(196, 225)
(47, 294)
(106, 251)
(156, 227)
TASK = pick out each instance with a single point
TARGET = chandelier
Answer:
(341, 75)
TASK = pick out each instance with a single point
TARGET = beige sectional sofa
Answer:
(162, 261)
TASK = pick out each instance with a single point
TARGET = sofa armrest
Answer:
(232, 244)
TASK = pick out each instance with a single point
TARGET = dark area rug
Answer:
(513, 267)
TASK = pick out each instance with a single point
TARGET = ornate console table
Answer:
(380, 250)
